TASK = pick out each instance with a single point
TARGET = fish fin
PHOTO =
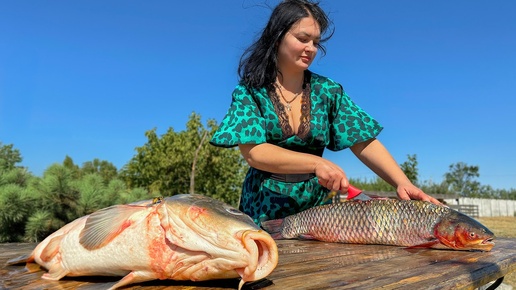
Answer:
(134, 277)
(104, 225)
(19, 260)
(306, 237)
(51, 249)
(273, 227)
(429, 244)
(56, 272)
(240, 284)
(32, 267)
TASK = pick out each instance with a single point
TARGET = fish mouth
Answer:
(263, 255)
(482, 245)
(489, 242)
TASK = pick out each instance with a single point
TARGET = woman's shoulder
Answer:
(323, 80)
(240, 89)
(325, 84)
(243, 91)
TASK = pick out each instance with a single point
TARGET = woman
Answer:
(283, 116)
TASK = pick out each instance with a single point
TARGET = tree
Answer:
(195, 158)
(409, 167)
(183, 162)
(431, 187)
(56, 199)
(104, 168)
(118, 193)
(221, 172)
(68, 163)
(373, 184)
(92, 194)
(15, 200)
(15, 208)
(19, 176)
(9, 157)
(461, 179)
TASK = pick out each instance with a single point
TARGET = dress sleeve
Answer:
(243, 123)
(350, 124)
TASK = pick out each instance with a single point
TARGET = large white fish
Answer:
(183, 237)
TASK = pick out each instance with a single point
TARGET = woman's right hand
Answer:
(331, 176)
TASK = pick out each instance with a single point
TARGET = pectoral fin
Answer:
(429, 244)
(134, 277)
(56, 272)
(104, 225)
(51, 249)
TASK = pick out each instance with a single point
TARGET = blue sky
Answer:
(88, 78)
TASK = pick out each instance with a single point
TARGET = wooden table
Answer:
(318, 265)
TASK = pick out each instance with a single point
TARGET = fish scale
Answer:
(382, 221)
(382, 224)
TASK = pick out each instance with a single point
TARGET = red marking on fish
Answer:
(196, 211)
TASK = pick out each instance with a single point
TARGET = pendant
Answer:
(289, 108)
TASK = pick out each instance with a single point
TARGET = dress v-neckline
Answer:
(283, 118)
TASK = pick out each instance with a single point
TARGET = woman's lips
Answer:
(306, 59)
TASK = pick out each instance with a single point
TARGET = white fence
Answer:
(487, 207)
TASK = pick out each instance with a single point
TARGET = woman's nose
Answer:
(311, 47)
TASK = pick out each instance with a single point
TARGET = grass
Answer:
(502, 227)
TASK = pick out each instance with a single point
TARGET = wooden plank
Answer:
(317, 265)
(420, 269)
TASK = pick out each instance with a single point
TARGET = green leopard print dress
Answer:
(329, 119)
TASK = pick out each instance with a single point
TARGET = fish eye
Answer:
(157, 200)
(472, 235)
(234, 211)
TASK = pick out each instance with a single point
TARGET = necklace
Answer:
(288, 106)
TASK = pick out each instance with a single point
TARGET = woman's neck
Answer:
(291, 82)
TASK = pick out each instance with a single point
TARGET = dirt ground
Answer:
(503, 227)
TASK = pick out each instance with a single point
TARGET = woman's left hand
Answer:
(410, 191)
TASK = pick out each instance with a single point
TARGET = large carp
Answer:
(183, 237)
(408, 223)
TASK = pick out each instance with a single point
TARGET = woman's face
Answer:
(298, 47)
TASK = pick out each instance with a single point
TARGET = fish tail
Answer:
(20, 260)
(274, 228)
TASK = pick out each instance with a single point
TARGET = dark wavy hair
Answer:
(258, 65)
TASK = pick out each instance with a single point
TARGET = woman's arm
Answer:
(375, 156)
(275, 159)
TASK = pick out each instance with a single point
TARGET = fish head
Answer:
(234, 246)
(461, 232)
